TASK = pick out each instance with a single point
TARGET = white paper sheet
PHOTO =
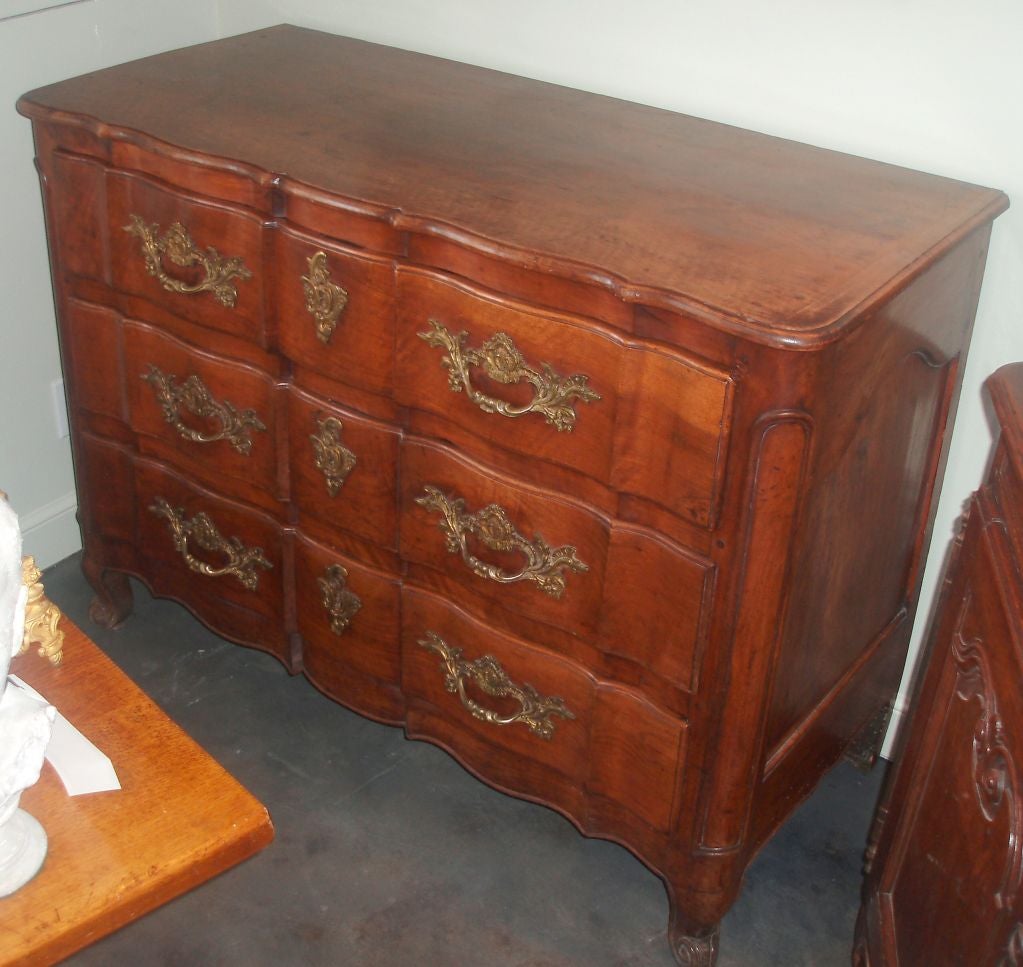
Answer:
(81, 766)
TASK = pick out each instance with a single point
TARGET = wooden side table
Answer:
(178, 820)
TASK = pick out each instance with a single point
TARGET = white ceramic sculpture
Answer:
(25, 723)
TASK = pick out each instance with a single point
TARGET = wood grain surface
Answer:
(747, 226)
(178, 820)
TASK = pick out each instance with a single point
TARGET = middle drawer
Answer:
(211, 416)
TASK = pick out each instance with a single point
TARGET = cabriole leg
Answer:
(113, 601)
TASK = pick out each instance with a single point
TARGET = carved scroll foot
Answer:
(692, 951)
(693, 947)
(113, 602)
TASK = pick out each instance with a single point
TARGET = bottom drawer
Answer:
(535, 723)
(348, 618)
(222, 560)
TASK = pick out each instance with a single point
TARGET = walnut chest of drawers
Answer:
(593, 443)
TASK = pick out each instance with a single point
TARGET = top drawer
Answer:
(565, 390)
(195, 258)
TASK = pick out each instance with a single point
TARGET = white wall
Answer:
(37, 49)
(931, 84)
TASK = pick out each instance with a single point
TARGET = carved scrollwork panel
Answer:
(994, 770)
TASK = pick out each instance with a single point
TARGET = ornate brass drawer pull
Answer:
(242, 561)
(334, 460)
(544, 565)
(195, 397)
(341, 604)
(535, 712)
(502, 362)
(177, 245)
(324, 299)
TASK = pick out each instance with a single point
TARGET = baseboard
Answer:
(50, 533)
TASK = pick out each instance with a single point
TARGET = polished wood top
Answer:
(770, 238)
(178, 820)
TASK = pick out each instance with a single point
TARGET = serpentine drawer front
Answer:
(594, 443)
(196, 259)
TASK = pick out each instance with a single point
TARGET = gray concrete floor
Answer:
(388, 853)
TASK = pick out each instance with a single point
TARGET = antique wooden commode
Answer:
(593, 443)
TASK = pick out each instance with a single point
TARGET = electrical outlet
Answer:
(59, 409)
